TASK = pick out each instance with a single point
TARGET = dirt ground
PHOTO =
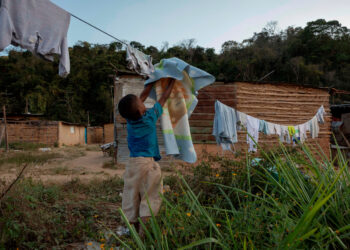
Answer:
(65, 164)
(68, 163)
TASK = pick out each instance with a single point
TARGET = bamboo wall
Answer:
(284, 104)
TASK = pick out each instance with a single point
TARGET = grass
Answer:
(36, 216)
(20, 158)
(72, 152)
(267, 205)
(63, 170)
(25, 146)
(287, 200)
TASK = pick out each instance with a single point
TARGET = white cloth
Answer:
(242, 120)
(271, 128)
(38, 26)
(284, 135)
(314, 127)
(253, 131)
(303, 128)
(320, 114)
(138, 61)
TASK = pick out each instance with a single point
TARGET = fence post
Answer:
(6, 134)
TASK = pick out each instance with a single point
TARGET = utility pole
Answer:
(6, 134)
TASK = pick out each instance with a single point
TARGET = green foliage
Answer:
(37, 216)
(226, 204)
(27, 157)
(26, 146)
(318, 54)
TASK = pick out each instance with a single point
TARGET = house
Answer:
(282, 103)
(51, 133)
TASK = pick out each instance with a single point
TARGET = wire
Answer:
(93, 26)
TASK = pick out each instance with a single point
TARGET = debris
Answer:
(122, 231)
(45, 149)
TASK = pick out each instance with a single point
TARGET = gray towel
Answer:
(225, 125)
(38, 26)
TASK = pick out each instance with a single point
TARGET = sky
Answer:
(210, 22)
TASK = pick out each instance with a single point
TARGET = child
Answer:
(142, 177)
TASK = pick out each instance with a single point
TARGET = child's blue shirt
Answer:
(142, 134)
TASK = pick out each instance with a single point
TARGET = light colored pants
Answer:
(142, 182)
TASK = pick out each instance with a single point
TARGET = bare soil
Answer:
(84, 163)
(79, 162)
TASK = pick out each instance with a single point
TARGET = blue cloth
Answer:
(142, 134)
(173, 67)
(225, 125)
(263, 127)
(176, 129)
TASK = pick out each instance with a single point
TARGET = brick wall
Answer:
(45, 132)
(95, 135)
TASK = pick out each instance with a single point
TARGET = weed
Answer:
(37, 216)
(19, 158)
(226, 204)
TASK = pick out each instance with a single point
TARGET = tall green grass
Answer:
(286, 200)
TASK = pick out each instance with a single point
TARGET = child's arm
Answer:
(146, 91)
(167, 92)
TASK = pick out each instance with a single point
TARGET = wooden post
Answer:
(6, 134)
(115, 127)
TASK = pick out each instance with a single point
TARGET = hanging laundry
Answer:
(314, 127)
(291, 130)
(180, 105)
(278, 130)
(38, 26)
(303, 128)
(285, 137)
(263, 127)
(320, 114)
(225, 125)
(271, 128)
(138, 61)
(242, 120)
(252, 133)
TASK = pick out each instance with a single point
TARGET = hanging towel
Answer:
(38, 26)
(225, 125)
(284, 136)
(263, 127)
(242, 120)
(252, 133)
(303, 128)
(138, 61)
(314, 127)
(180, 105)
(320, 114)
(271, 128)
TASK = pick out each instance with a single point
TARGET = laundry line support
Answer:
(93, 26)
(115, 128)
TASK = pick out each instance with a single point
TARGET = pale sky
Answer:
(210, 22)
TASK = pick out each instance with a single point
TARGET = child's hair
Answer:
(127, 107)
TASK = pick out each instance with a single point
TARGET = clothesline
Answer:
(226, 122)
(95, 27)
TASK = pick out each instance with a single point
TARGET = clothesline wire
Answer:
(93, 26)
